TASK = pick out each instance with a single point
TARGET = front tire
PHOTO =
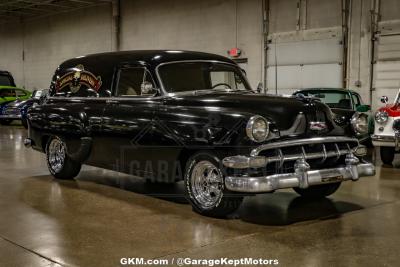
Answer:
(387, 155)
(6, 122)
(24, 123)
(205, 187)
(60, 165)
(318, 191)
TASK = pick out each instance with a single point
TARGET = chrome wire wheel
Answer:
(56, 155)
(207, 184)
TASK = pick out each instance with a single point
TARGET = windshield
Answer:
(5, 80)
(334, 99)
(194, 76)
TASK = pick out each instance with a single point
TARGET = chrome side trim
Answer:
(302, 178)
(299, 142)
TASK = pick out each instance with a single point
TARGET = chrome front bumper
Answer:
(303, 176)
(386, 140)
(300, 178)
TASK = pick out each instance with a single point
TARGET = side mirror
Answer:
(107, 93)
(147, 88)
(92, 93)
(363, 108)
(384, 99)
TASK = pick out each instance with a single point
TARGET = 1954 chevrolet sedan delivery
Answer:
(176, 115)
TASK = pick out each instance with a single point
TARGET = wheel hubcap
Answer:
(56, 155)
(207, 184)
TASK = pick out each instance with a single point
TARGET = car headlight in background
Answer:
(381, 117)
(359, 122)
(257, 129)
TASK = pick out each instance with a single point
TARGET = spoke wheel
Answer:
(204, 186)
(56, 155)
(207, 184)
(60, 165)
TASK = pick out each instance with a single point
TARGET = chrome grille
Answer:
(12, 111)
(316, 151)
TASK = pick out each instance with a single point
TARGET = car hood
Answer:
(19, 103)
(281, 110)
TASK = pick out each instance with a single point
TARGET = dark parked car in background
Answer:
(348, 108)
(6, 79)
(175, 115)
(17, 110)
(8, 95)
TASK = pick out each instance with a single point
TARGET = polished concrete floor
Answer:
(104, 216)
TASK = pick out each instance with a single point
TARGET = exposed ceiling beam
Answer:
(31, 9)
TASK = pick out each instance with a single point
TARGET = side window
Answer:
(356, 100)
(8, 93)
(20, 93)
(5, 80)
(132, 81)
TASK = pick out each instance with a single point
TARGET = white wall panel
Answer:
(11, 44)
(50, 41)
(306, 52)
(293, 78)
(212, 26)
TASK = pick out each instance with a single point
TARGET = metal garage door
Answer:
(304, 64)
(387, 68)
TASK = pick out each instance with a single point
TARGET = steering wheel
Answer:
(219, 84)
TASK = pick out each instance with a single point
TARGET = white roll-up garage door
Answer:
(387, 68)
(305, 64)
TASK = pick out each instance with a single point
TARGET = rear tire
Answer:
(387, 155)
(205, 187)
(60, 165)
(318, 191)
(6, 122)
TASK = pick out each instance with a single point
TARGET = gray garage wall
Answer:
(11, 51)
(32, 51)
(208, 25)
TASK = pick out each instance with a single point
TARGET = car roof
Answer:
(152, 57)
(327, 89)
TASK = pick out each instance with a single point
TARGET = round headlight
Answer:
(359, 122)
(257, 129)
(381, 117)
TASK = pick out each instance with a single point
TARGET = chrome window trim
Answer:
(130, 98)
(193, 61)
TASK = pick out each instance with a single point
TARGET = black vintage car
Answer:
(174, 115)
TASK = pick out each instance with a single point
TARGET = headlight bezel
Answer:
(381, 117)
(258, 120)
(360, 123)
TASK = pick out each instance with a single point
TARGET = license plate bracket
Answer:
(332, 179)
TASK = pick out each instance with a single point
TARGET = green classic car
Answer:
(348, 108)
(8, 90)
(9, 94)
